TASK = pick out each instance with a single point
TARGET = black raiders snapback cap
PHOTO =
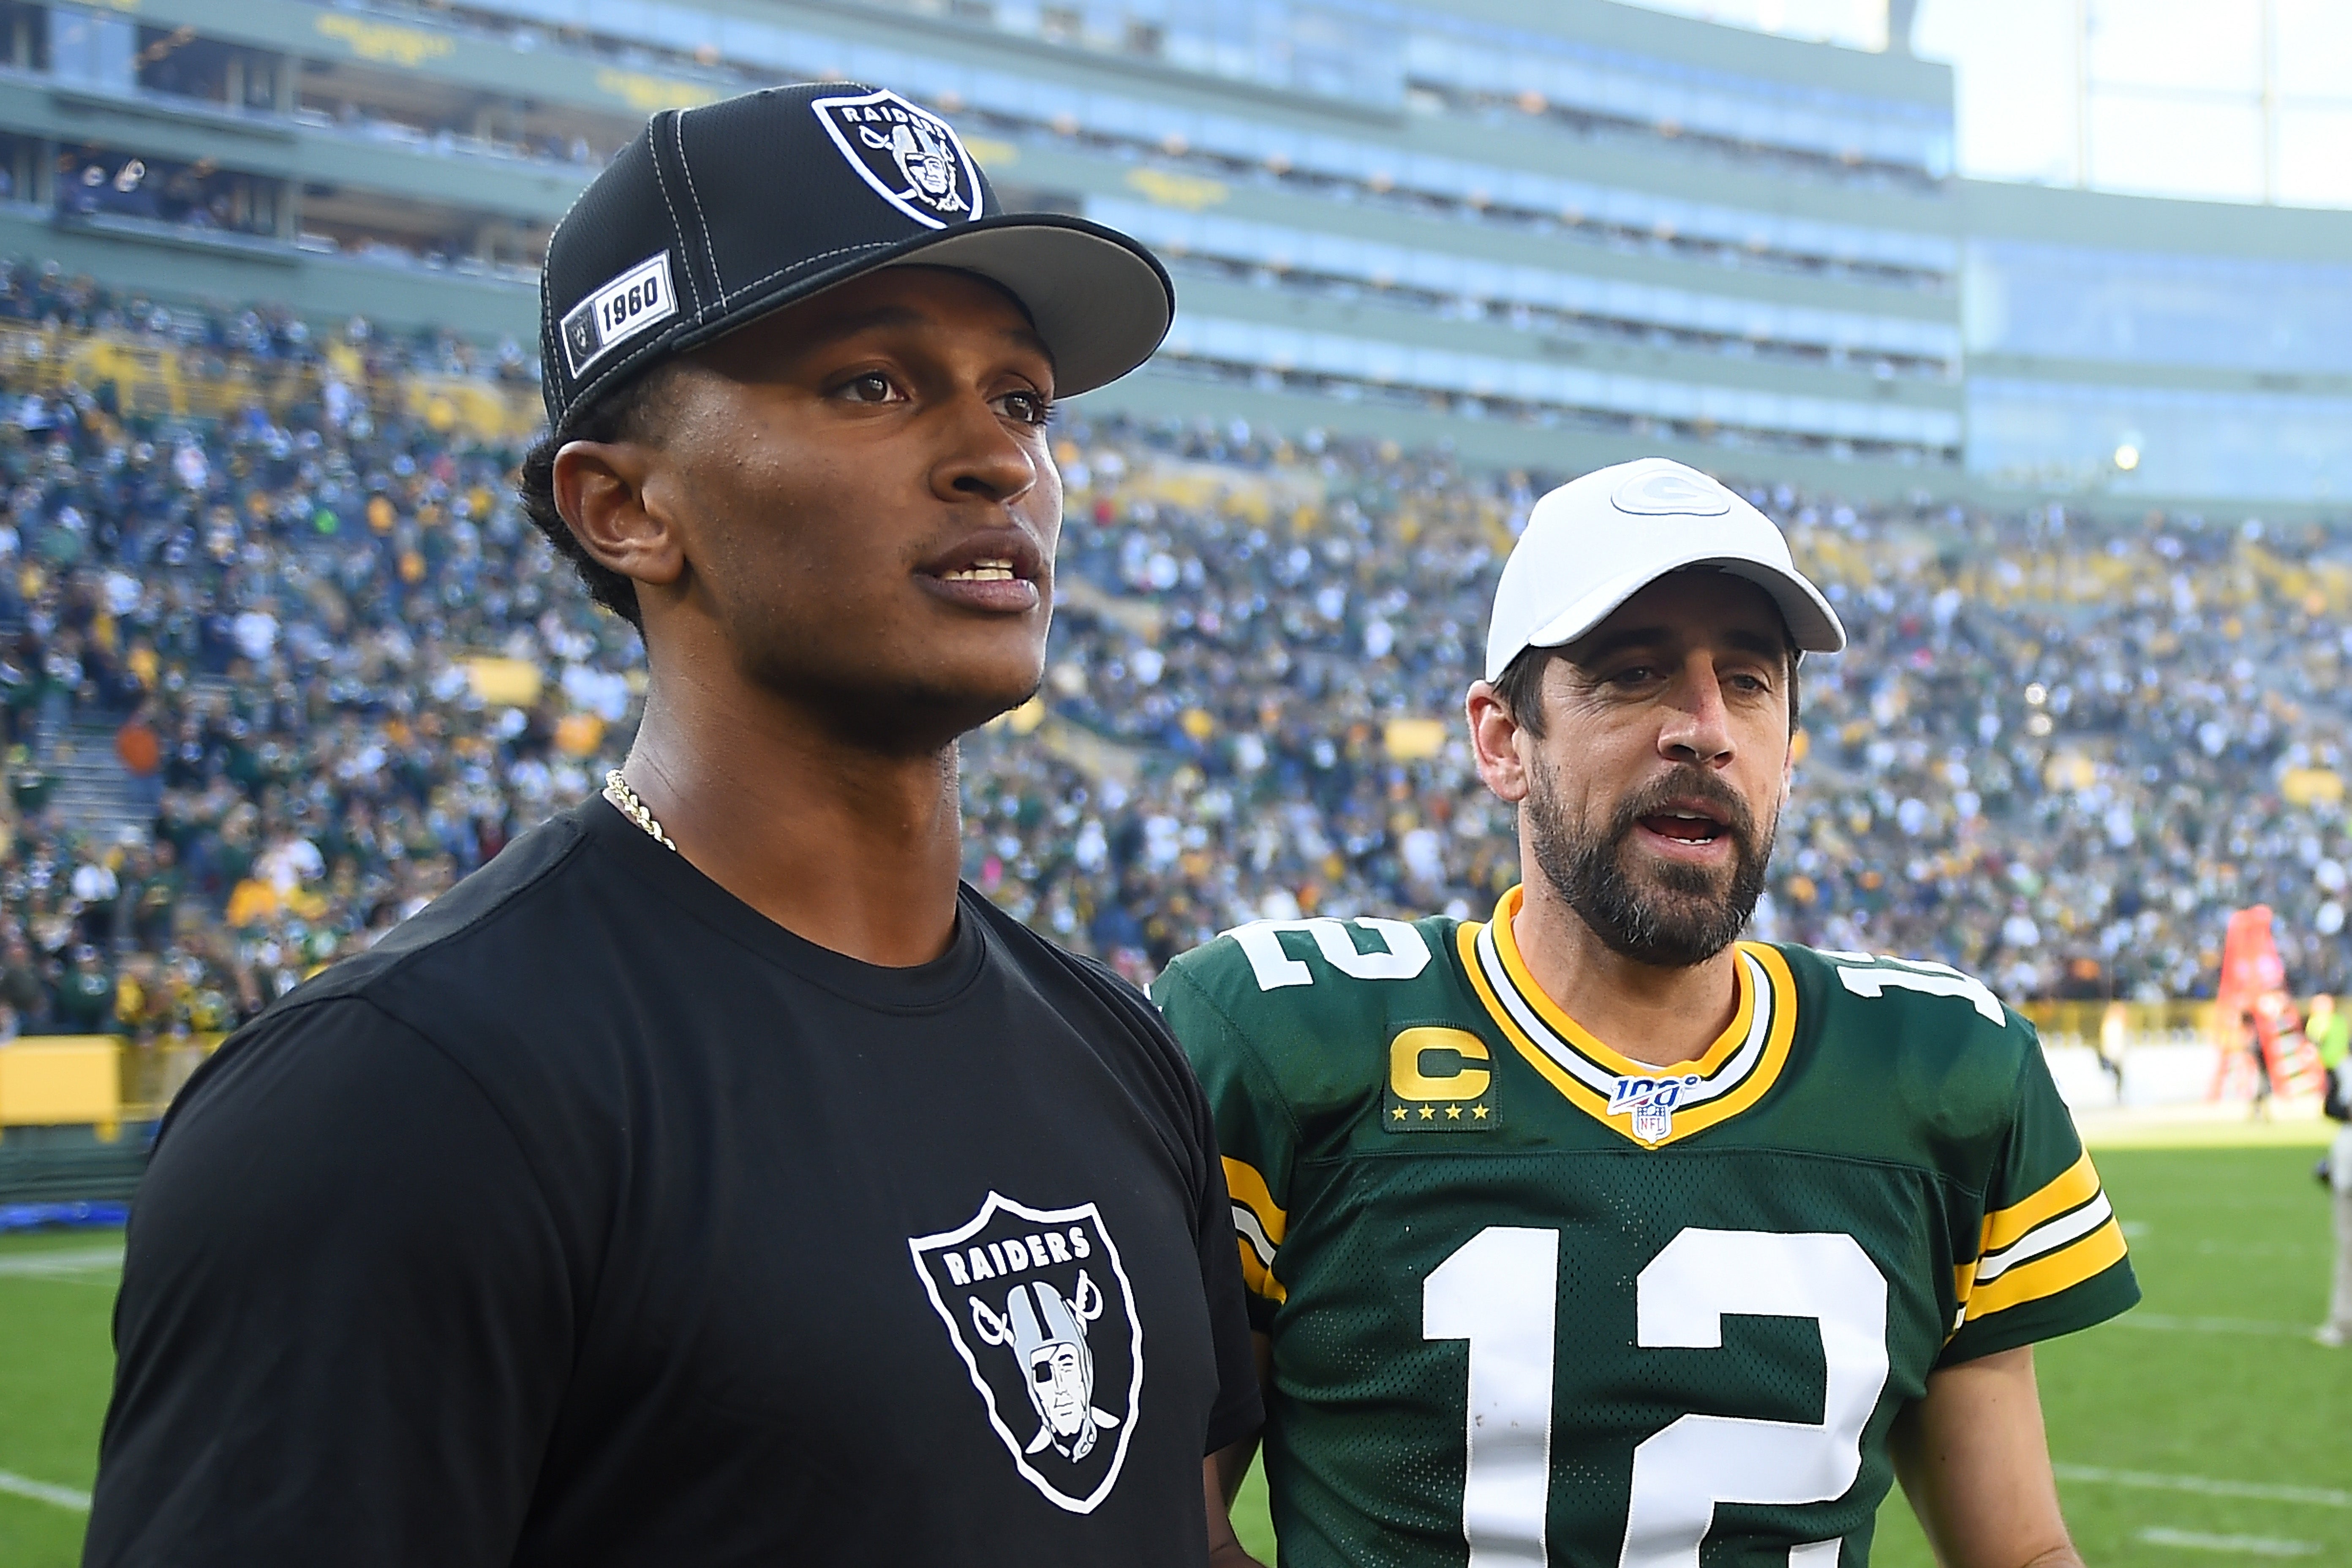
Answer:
(714, 216)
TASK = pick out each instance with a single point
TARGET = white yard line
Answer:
(2205, 1486)
(2235, 1545)
(2161, 1323)
(78, 1261)
(42, 1491)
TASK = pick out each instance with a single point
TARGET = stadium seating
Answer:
(281, 660)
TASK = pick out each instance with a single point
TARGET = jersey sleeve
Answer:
(346, 1322)
(1256, 1135)
(2051, 1254)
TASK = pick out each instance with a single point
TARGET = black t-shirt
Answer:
(593, 1218)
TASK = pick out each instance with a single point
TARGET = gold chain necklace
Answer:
(617, 791)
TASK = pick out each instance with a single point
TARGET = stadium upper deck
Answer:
(1551, 233)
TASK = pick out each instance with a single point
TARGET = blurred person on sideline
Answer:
(2114, 1041)
(2329, 1028)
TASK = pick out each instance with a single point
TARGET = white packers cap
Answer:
(1596, 541)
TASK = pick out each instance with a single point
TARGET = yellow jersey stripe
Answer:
(1257, 1278)
(1780, 1032)
(1766, 1072)
(2044, 1277)
(1246, 1186)
(2078, 1185)
(1709, 1062)
(1466, 937)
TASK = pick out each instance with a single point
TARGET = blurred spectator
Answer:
(86, 995)
(2057, 753)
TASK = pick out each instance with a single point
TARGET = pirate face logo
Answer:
(910, 157)
(1040, 1310)
(1047, 1335)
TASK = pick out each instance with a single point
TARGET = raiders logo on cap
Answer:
(911, 157)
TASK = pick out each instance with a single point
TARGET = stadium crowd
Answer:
(340, 672)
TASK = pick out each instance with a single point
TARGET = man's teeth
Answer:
(980, 571)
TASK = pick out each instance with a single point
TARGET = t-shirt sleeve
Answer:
(346, 1320)
(2050, 1256)
(1255, 1135)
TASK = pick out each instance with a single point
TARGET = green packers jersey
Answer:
(1532, 1302)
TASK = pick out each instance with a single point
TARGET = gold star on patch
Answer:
(1452, 1113)
(1427, 1115)
(1478, 1112)
(1398, 1113)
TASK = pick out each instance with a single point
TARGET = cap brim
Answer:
(1812, 626)
(1100, 300)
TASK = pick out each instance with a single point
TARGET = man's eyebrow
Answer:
(1619, 642)
(1757, 642)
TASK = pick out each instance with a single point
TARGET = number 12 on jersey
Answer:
(1500, 1292)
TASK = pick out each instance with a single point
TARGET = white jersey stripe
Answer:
(1602, 1080)
(2048, 1238)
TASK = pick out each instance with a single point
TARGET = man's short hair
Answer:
(1521, 687)
(629, 412)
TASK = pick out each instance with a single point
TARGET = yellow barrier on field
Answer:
(61, 1080)
(2079, 1021)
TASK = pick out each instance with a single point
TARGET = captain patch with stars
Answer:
(1041, 1311)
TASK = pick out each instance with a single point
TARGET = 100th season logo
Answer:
(1039, 1308)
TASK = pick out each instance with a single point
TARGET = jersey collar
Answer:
(1624, 1095)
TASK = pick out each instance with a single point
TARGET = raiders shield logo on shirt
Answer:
(910, 156)
(1039, 1308)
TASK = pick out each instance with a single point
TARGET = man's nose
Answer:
(1697, 728)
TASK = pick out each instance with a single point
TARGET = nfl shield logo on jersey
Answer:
(911, 157)
(1039, 1308)
(1652, 1102)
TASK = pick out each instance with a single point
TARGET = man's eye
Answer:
(1029, 407)
(872, 388)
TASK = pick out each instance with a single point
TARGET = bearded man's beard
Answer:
(1670, 916)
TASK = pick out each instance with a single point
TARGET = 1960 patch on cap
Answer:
(636, 302)
(913, 159)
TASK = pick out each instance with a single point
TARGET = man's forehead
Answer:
(1691, 607)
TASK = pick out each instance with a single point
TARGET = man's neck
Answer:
(850, 848)
(1657, 1016)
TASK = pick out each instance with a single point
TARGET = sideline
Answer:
(2236, 1545)
(2161, 1323)
(2202, 1126)
(78, 1260)
(42, 1491)
(2205, 1486)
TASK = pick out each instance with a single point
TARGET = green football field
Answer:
(2204, 1428)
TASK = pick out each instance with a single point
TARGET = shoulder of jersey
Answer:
(1305, 987)
(1903, 1004)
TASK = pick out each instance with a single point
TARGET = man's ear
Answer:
(1495, 741)
(609, 492)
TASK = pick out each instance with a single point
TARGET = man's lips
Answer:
(995, 569)
(1687, 821)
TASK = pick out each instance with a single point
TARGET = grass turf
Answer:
(2204, 1428)
(57, 1290)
